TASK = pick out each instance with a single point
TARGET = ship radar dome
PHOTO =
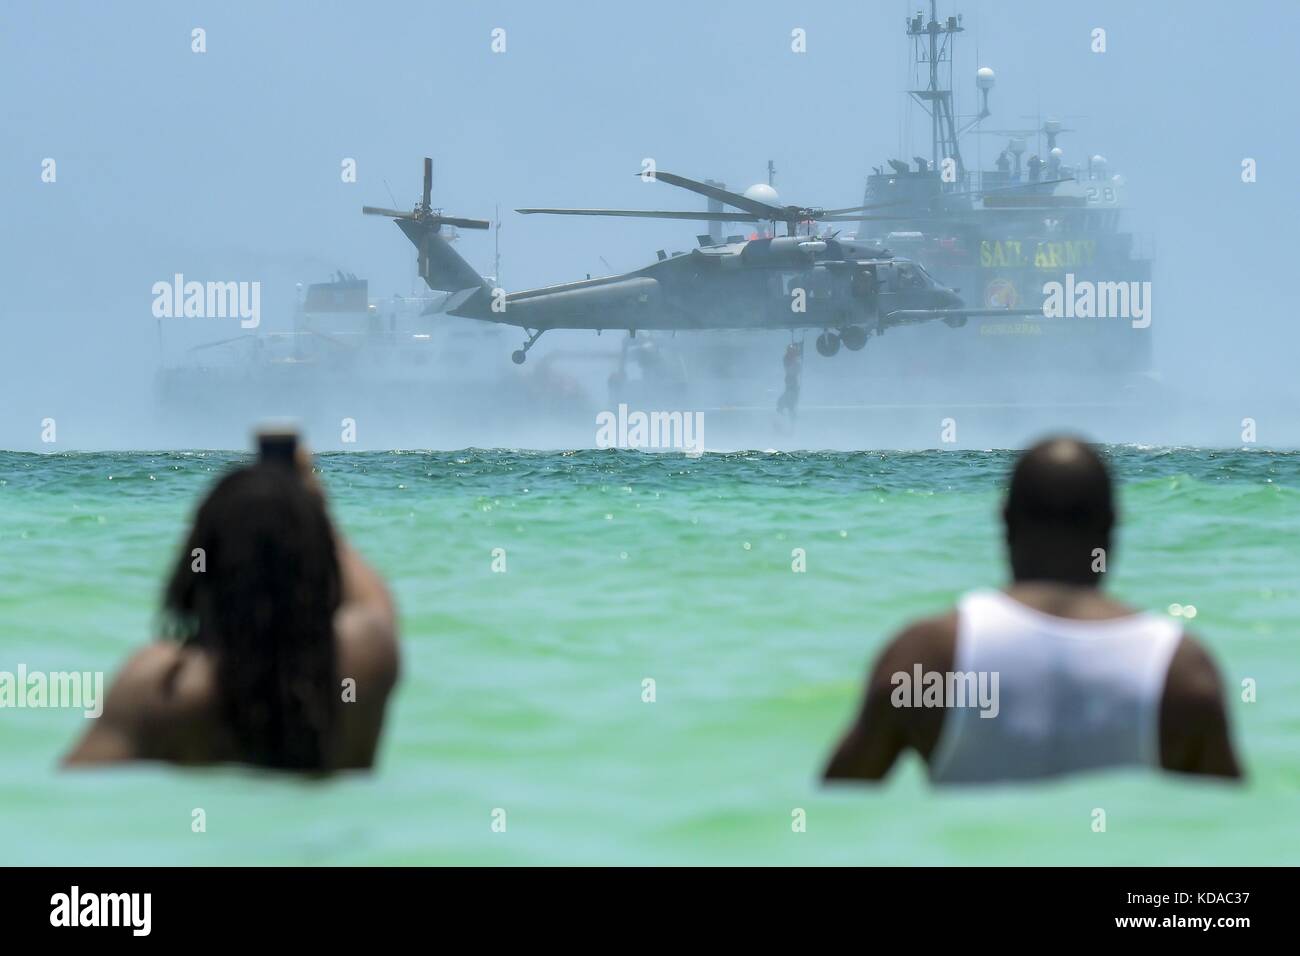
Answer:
(1052, 126)
(1056, 152)
(762, 192)
(984, 78)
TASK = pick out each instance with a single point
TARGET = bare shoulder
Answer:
(150, 662)
(143, 682)
(930, 642)
(367, 645)
(882, 731)
(169, 691)
(162, 685)
(1194, 732)
(368, 657)
(1193, 679)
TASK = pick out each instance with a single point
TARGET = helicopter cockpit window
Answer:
(911, 276)
(930, 280)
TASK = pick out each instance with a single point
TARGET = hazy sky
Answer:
(226, 164)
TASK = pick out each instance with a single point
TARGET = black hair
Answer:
(1059, 513)
(262, 602)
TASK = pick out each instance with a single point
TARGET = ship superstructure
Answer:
(1004, 236)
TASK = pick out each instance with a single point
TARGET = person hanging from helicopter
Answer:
(793, 360)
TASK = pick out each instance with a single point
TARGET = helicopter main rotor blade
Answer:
(463, 223)
(390, 213)
(761, 210)
(651, 214)
(428, 181)
(874, 205)
(213, 345)
(862, 218)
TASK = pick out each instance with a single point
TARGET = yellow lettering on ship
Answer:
(1046, 255)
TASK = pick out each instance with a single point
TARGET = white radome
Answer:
(984, 78)
(1056, 152)
(762, 192)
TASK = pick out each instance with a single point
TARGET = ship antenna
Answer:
(932, 45)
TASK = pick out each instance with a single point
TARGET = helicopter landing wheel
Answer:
(828, 343)
(854, 337)
(519, 356)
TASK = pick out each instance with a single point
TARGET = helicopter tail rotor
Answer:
(424, 215)
(439, 265)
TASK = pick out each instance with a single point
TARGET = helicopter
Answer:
(849, 289)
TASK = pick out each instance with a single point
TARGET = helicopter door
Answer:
(886, 289)
(885, 281)
(863, 284)
(862, 290)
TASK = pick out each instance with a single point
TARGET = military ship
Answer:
(1010, 237)
(405, 373)
(1039, 230)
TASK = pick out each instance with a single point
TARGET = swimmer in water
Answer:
(1079, 681)
(281, 646)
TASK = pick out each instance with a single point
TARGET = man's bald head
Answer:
(1059, 508)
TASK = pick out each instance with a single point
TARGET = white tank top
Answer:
(1071, 695)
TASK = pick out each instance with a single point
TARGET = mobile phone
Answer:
(277, 446)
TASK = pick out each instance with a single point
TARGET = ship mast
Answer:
(932, 45)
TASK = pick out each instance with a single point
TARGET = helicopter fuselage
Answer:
(792, 282)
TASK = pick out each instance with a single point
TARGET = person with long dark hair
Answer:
(279, 647)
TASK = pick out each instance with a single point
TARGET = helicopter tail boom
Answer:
(443, 270)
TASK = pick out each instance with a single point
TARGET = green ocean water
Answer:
(522, 690)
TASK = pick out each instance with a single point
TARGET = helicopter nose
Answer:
(951, 300)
